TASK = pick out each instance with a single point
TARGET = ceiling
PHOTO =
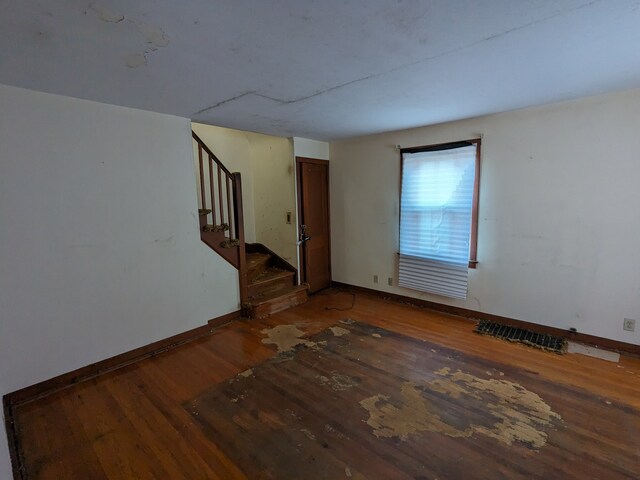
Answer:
(321, 69)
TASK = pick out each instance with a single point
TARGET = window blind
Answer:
(435, 219)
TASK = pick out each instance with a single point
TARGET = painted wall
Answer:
(559, 222)
(99, 244)
(268, 183)
(274, 194)
(305, 147)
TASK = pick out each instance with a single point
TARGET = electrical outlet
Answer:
(375, 279)
(629, 325)
(390, 281)
(289, 215)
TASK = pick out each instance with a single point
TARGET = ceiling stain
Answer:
(136, 60)
(107, 15)
(508, 412)
(153, 34)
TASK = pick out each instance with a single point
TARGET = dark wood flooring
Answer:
(380, 390)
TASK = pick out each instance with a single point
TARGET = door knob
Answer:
(303, 237)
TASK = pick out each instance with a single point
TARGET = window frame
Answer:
(473, 237)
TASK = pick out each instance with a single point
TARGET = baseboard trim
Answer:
(47, 387)
(622, 347)
(17, 465)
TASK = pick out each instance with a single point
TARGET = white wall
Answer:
(99, 245)
(305, 147)
(559, 222)
(274, 194)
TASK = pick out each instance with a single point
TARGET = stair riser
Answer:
(278, 304)
(257, 269)
(271, 286)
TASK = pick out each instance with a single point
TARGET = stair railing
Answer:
(220, 209)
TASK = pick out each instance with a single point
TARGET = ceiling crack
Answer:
(282, 101)
(216, 105)
(432, 57)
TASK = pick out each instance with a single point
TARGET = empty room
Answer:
(298, 239)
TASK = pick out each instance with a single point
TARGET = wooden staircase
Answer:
(268, 283)
(272, 283)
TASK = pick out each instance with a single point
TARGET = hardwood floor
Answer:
(379, 390)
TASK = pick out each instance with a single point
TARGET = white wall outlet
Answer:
(629, 325)
(375, 279)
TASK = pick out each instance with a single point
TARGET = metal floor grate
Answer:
(521, 335)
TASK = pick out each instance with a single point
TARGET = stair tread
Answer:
(255, 259)
(271, 274)
(221, 227)
(264, 298)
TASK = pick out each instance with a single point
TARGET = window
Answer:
(439, 217)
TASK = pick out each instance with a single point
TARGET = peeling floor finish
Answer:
(285, 337)
(338, 381)
(339, 331)
(519, 415)
(362, 400)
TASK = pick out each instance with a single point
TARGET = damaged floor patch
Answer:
(339, 331)
(508, 412)
(285, 337)
(339, 382)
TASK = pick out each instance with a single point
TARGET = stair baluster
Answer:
(202, 193)
(226, 237)
(212, 192)
(220, 196)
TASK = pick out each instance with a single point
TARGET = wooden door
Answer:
(313, 213)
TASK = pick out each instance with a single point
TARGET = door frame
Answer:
(301, 255)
